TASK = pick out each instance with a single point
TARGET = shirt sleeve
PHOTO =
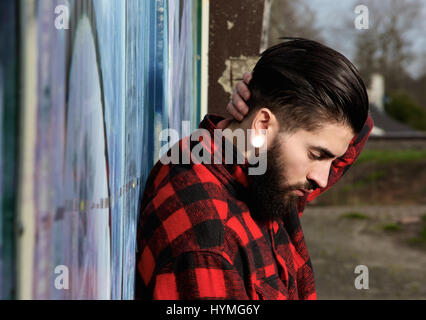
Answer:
(199, 275)
(340, 165)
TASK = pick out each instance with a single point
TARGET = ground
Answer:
(340, 237)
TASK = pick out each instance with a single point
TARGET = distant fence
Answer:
(396, 143)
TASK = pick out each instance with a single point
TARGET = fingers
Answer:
(247, 77)
(234, 112)
(243, 90)
(237, 107)
(239, 104)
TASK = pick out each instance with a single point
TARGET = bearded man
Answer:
(214, 231)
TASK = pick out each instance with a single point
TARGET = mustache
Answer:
(310, 185)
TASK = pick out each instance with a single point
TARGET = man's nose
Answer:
(320, 173)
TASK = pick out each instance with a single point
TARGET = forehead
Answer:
(334, 137)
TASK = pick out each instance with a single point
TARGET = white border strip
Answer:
(28, 100)
(205, 12)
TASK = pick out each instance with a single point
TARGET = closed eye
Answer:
(321, 153)
(314, 157)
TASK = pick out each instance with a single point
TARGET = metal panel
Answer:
(8, 143)
(96, 96)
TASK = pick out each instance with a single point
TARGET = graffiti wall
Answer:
(108, 76)
(8, 144)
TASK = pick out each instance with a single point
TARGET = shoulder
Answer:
(186, 210)
(191, 188)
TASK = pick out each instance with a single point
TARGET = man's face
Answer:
(297, 164)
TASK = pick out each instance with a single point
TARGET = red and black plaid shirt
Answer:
(197, 239)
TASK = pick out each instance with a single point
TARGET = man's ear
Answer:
(264, 123)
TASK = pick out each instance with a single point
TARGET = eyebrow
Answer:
(325, 151)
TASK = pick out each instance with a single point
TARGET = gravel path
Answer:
(337, 244)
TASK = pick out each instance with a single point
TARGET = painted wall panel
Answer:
(103, 92)
(8, 143)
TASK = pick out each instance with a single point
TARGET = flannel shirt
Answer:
(197, 240)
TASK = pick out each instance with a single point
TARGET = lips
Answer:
(302, 192)
(299, 192)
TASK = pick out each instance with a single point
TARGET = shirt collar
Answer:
(236, 172)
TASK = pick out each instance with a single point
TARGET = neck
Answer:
(232, 126)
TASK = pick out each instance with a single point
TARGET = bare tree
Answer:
(291, 18)
(385, 46)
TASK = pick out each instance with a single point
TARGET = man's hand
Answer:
(237, 107)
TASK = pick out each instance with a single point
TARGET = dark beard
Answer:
(268, 200)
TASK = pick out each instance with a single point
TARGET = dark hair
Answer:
(306, 84)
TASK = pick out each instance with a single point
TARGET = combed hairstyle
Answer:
(306, 84)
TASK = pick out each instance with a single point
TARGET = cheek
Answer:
(296, 167)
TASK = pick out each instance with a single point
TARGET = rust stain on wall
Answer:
(235, 68)
(234, 44)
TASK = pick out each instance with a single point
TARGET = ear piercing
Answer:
(258, 140)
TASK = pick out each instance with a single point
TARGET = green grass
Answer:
(387, 156)
(391, 227)
(355, 215)
(372, 177)
(421, 237)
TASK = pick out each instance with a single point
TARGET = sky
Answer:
(332, 14)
